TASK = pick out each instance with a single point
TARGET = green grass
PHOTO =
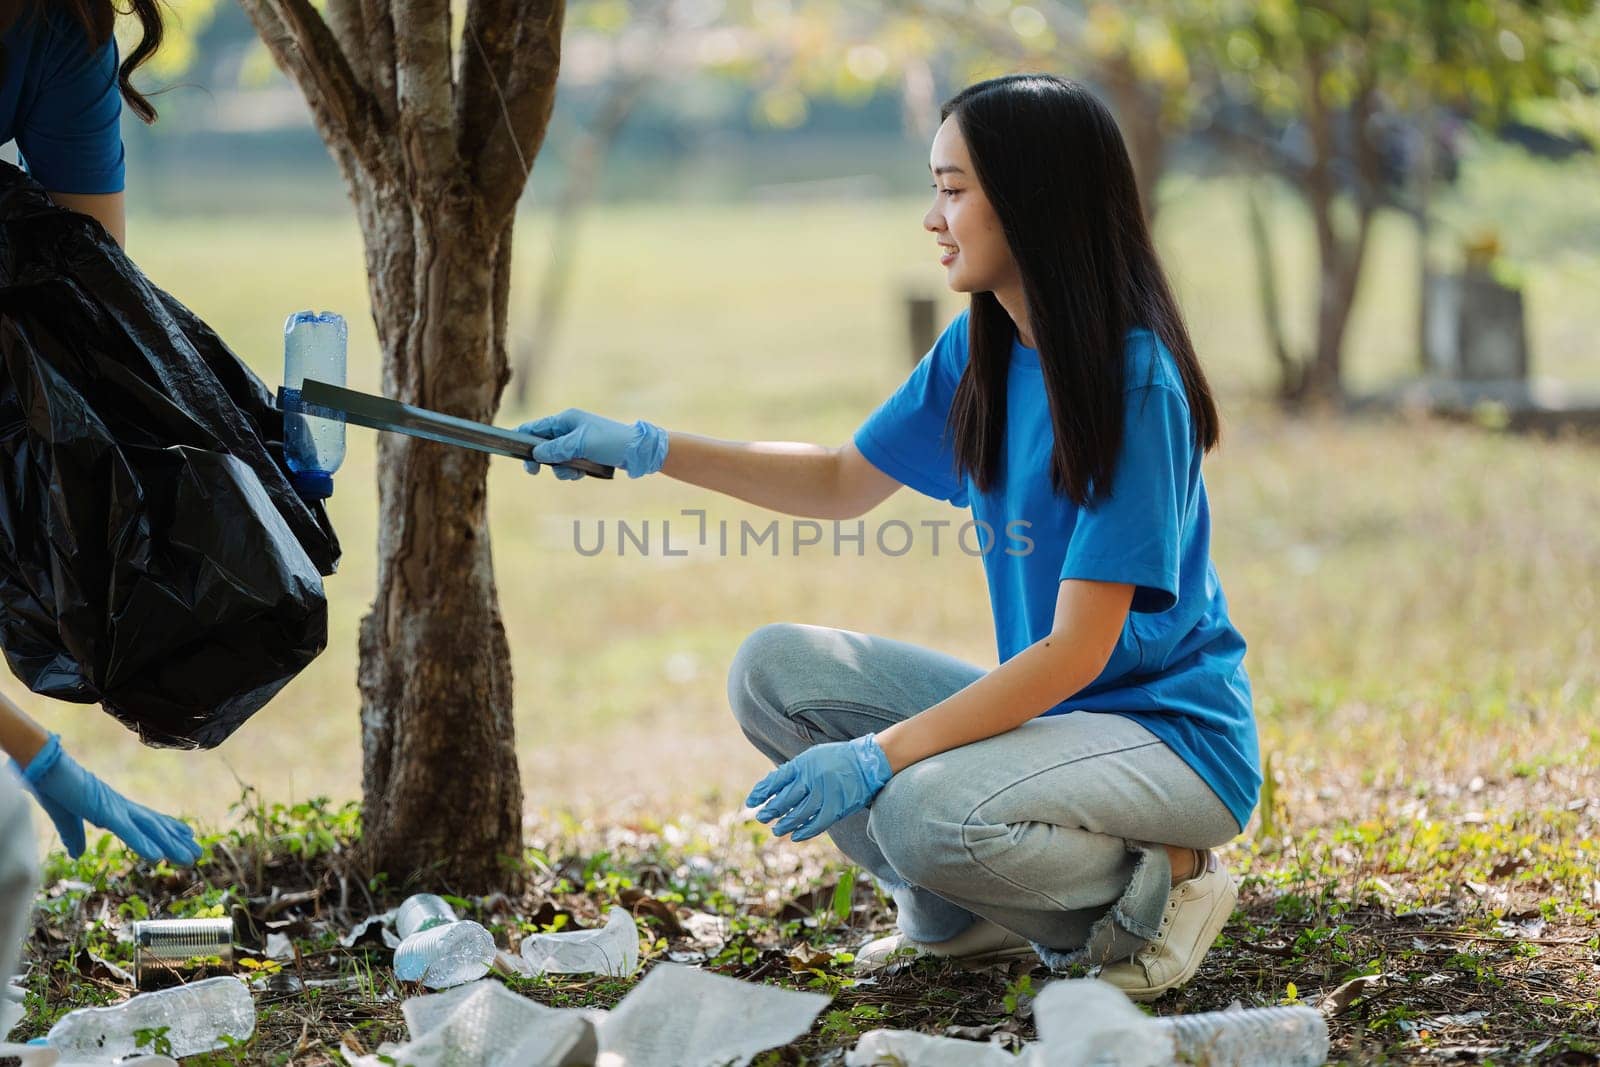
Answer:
(1409, 591)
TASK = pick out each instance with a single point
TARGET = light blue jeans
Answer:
(1052, 830)
(18, 885)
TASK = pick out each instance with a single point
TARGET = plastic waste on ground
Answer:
(421, 912)
(610, 949)
(438, 949)
(45, 1056)
(11, 1011)
(29, 1055)
(1089, 1023)
(676, 1017)
(1081, 1022)
(196, 1017)
(446, 955)
(684, 1017)
(484, 1024)
(364, 929)
(154, 557)
(314, 344)
(1252, 1037)
(907, 1048)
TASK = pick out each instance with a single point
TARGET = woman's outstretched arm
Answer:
(812, 481)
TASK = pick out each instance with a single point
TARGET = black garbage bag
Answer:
(153, 556)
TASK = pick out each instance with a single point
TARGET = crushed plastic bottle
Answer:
(1251, 1037)
(314, 344)
(421, 912)
(445, 955)
(611, 949)
(196, 1018)
(1084, 1022)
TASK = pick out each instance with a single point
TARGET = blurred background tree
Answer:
(1341, 99)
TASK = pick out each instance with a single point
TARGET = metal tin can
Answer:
(166, 950)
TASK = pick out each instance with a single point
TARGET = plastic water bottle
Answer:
(195, 1016)
(313, 347)
(422, 912)
(445, 955)
(1254, 1037)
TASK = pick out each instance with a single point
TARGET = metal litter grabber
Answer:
(381, 413)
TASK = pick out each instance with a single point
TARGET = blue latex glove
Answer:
(639, 448)
(70, 795)
(822, 785)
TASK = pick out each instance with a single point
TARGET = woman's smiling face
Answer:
(972, 244)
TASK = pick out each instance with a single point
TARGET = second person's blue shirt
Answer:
(1178, 668)
(59, 101)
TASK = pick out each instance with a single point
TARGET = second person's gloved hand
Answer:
(71, 795)
(822, 785)
(638, 448)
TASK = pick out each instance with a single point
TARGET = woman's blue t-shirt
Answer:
(1178, 668)
(59, 101)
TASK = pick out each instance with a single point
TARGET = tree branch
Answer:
(378, 19)
(509, 70)
(488, 45)
(425, 91)
(304, 47)
(348, 23)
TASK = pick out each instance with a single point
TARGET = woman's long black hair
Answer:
(98, 18)
(1051, 160)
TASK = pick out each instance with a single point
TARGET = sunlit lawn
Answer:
(1415, 596)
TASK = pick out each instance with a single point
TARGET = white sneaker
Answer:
(1197, 910)
(982, 942)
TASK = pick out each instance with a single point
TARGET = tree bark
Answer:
(435, 150)
(443, 798)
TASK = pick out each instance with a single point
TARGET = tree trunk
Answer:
(1290, 369)
(435, 140)
(442, 794)
(1340, 257)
